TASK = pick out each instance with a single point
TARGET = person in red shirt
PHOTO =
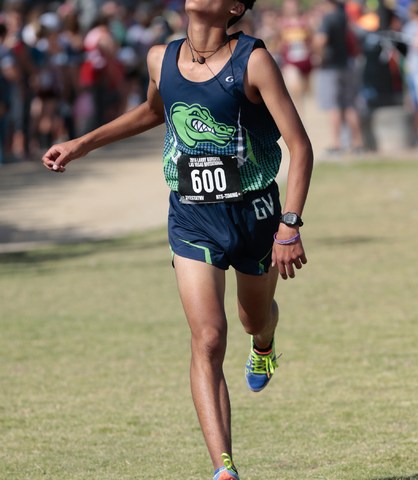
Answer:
(295, 50)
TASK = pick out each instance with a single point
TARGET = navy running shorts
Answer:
(237, 234)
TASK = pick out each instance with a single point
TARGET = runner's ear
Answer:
(238, 9)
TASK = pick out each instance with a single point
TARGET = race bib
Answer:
(210, 179)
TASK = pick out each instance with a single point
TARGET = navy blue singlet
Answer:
(215, 118)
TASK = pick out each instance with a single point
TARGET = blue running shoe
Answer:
(260, 367)
(228, 471)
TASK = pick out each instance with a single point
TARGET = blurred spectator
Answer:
(88, 12)
(176, 24)
(336, 91)
(267, 29)
(381, 81)
(73, 37)
(20, 71)
(101, 79)
(5, 64)
(50, 107)
(145, 30)
(72, 32)
(377, 31)
(410, 31)
(115, 15)
(295, 38)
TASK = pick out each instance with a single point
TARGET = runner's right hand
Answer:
(59, 155)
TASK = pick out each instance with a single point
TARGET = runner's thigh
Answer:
(202, 289)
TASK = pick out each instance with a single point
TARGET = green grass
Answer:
(94, 352)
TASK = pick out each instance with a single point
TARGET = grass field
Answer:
(94, 352)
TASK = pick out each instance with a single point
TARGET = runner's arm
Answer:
(265, 81)
(138, 120)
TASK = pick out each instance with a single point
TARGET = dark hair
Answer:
(248, 4)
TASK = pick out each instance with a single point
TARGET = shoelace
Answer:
(229, 464)
(263, 364)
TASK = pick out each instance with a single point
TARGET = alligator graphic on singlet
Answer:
(195, 124)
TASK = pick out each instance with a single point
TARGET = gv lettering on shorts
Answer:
(263, 207)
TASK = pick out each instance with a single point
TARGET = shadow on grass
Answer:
(347, 240)
(410, 477)
(12, 234)
(76, 249)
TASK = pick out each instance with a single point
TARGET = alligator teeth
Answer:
(201, 127)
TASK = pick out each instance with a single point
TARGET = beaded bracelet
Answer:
(289, 241)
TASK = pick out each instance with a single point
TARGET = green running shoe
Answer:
(260, 367)
(228, 471)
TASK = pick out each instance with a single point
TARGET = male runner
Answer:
(225, 106)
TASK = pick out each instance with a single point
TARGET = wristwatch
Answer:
(291, 219)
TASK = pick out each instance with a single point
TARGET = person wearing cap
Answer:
(225, 106)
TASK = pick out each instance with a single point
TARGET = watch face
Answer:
(290, 219)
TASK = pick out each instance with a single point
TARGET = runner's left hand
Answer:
(288, 257)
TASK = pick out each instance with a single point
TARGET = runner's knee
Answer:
(209, 343)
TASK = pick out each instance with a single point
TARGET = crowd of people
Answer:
(67, 67)
(364, 56)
